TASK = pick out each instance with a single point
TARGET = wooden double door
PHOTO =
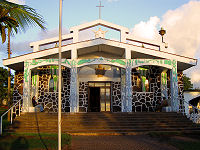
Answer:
(99, 96)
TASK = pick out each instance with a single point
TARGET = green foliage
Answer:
(187, 83)
(4, 83)
(18, 18)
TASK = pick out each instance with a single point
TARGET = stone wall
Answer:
(116, 96)
(49, 100)
(146, 101)
(18, 89)
(143, 102)
(155, 84)
(83, 96)
(18, 86)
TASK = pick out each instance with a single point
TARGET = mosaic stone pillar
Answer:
(73, 90)
(128, 100)
(123, 89)
(180, 92)
(174, 87)
(26, 88)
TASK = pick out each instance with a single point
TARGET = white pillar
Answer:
(74, 53)
(123, 89)
(36, 48)
(26, 88)
(128, 90)
(75, 36)
(73, 90)
(127, 53)
(122, 36)
(174, 88)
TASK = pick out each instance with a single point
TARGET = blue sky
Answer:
(123, 12)
(140, 16)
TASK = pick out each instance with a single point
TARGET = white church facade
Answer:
(99, 74)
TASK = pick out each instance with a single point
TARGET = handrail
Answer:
(195, 117)
(18, 103)
(191, 105)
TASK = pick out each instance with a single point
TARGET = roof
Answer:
(139, 49)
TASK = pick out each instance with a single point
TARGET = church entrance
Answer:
(99, 96)
(94, 105)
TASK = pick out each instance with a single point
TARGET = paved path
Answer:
(136, 142)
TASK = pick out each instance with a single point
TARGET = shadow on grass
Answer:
(38, 129)
(19, 144)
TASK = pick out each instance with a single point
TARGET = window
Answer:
(53, 79)
(143, 72)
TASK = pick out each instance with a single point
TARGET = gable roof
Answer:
(183, 62)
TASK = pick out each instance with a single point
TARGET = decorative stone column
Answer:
(174, 87)
(128, 100)
(26, 88)
(181, 92)
(73, 89)
(123, 89)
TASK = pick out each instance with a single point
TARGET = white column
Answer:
(174, 88)
(123, 89)
(123, 36)
(127, 53)
(73, 90)
(74, 53)
(75, 36)
(36, 48)
(26, 88)
(128, 90)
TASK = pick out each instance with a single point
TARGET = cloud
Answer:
(51, 33)
(21, 2)
(112, 0)
(3, 55)
(182, 26)
(182, 33)
(147, 30)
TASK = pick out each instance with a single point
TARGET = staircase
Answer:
(104, 123)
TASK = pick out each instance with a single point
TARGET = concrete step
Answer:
(101, 123)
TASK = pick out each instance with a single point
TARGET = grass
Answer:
(31, 141)
(168, 137)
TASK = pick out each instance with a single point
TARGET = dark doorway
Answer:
(94, 99)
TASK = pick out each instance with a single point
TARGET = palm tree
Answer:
(18, 17)
(14, 18)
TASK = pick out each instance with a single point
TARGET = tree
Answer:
(18, 18)
(187, 83)
(4, 83)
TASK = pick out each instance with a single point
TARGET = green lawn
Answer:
(31, 141)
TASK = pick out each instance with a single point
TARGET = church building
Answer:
(100, 74)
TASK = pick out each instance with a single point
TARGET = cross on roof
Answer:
(100, 9)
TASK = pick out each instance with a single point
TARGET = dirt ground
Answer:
(133, 142)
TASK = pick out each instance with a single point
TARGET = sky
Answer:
(144, 18)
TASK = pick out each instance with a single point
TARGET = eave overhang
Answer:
(16, 63)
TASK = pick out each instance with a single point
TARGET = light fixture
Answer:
(100, 71)
(162, 32)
